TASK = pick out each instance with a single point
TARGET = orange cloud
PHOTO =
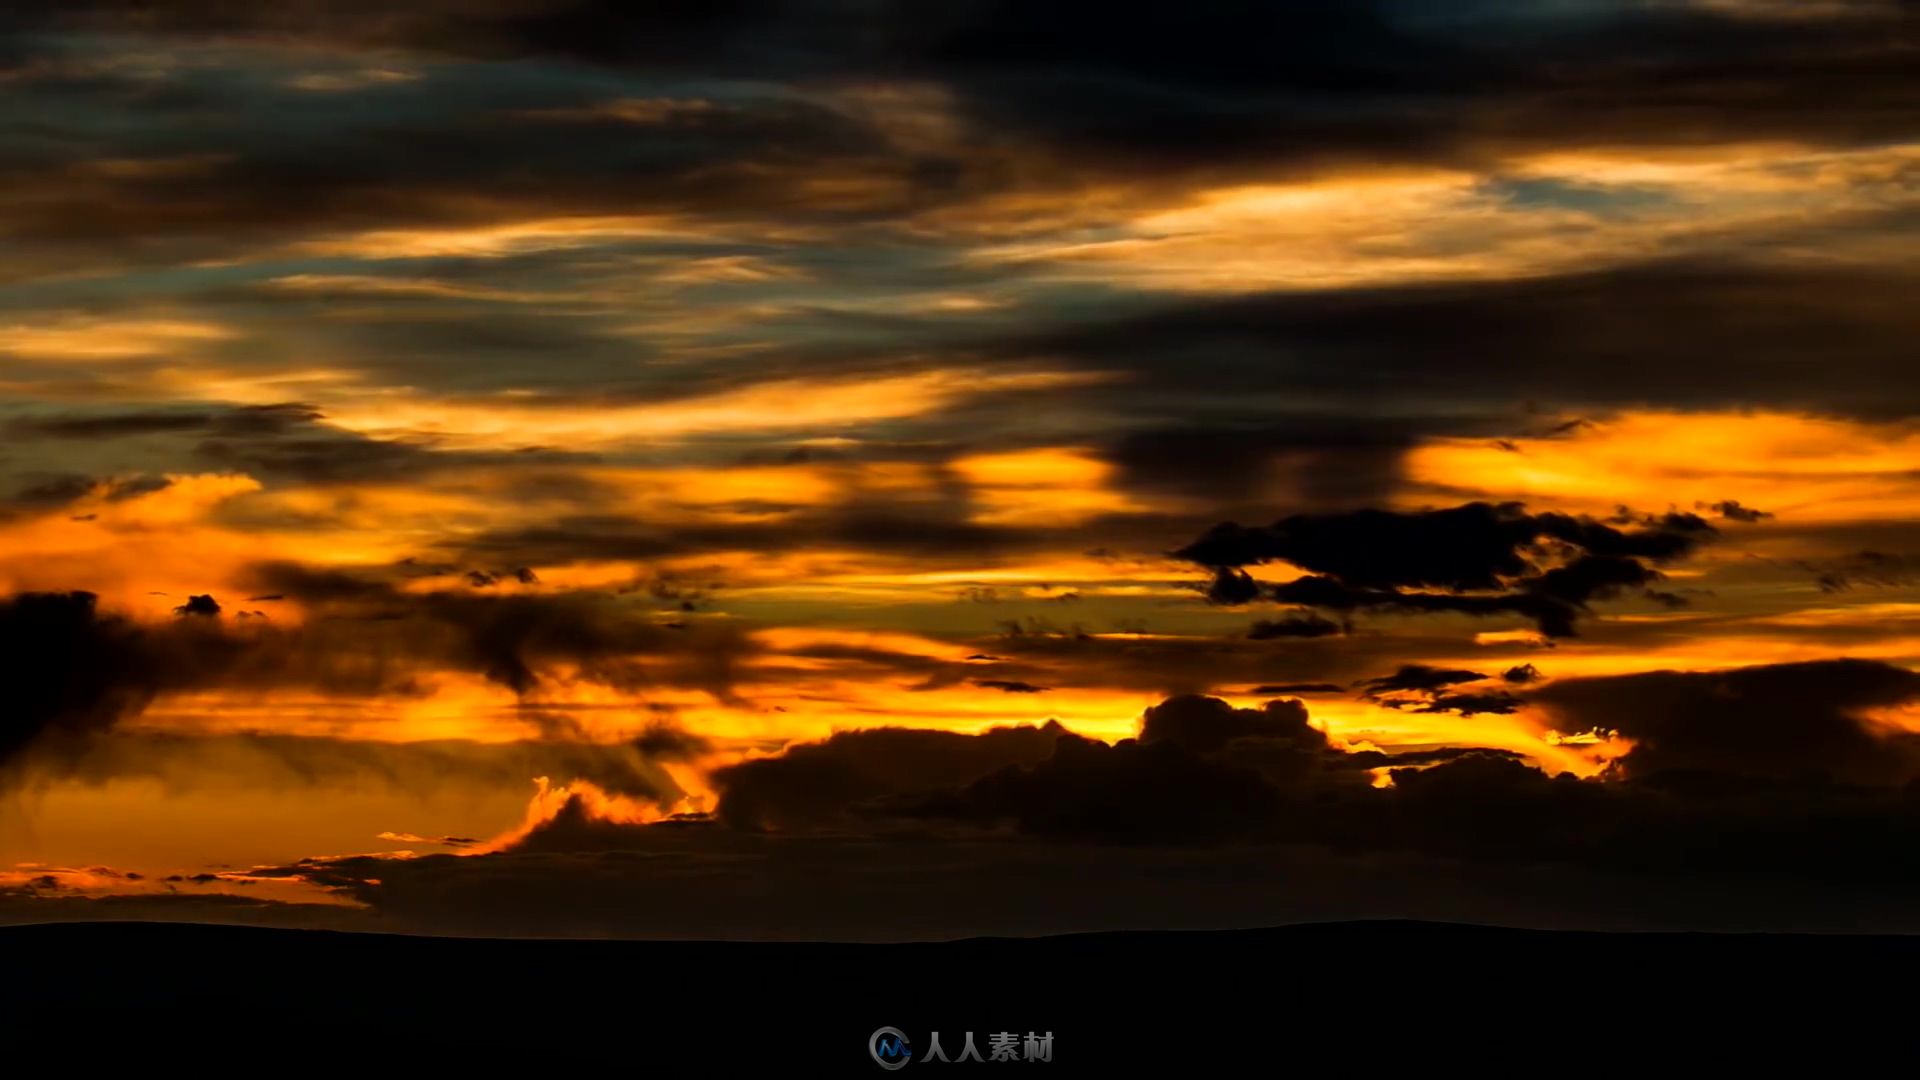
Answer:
(98, 340)
(1055, 486)
(1805, 469)
(780, 405)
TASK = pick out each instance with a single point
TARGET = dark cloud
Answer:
(1555, 616)
(1593, 576)
(423, 768)
(281, 165)
(1732, 510)
(1431, 690)
(201, 605)
(1232, 587)
(816, 783)
(1203, 772)
(1474, 546)
(1473, 704)
(1010, 686)
(1326, 461)
(240, 420)
(1288, 689)
(939, 530)
(1782, 721)
(1521, 674)
(1173, 664)
(1419, 678)
(1294, 626)
(1372, 558)
(1214, 94)
(1705, 333)
(511, 637)
(297, 445)
(44, 492)
(47, 492)
(1219, 83)
(77, 670)
(1134, 791)
(71, 670)
(668, 743)
(1204, 724)
(1789, 804)
(1870, 569)
(286, 442)
(1200, 770)
(109, 425)
(1215, 83)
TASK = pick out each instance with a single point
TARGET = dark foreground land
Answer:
(1351, 996)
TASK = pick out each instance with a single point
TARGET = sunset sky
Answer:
(552, 466)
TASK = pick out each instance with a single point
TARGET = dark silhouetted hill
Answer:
(1183, 1003)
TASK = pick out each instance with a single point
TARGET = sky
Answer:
(873, 470)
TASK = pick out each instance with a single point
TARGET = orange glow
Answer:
(1803, 468)
(774, 406)
(549, 799)
(593, 427)
(1374, 226)
(1058, 486)
(106, 340)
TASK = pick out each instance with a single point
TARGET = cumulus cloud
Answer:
(1781, 721)
(1206, 723)
(1713, 792)
(814, 783)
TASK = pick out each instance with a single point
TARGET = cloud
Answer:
(1431, 690)
(77, 670)
(1322, 459)
(200, 605)
(1160, 88)
(1707, 332)
(284, 441)
(1419, 678)
(816, 783)
(568, 363)
(1733, 511)
(1373, 558)
(1204, 724)
(1287, 689)
(1294, 626)
(1203, 772)
(428, 768)
(1010, 686)
(1873, 569)
(508, 638)
(1133, 791)
(1474, 546)
(1781, 721)
(71, 670)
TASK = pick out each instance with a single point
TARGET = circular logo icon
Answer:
(889, 1048)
